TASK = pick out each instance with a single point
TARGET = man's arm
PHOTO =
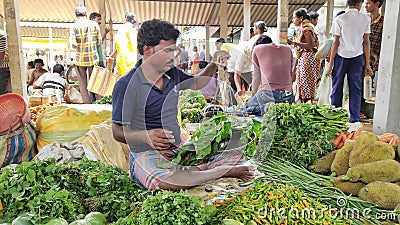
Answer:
(256, 74)
(366, 48)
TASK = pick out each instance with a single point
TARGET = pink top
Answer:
(272, 67)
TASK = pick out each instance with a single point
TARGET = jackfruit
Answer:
(350, 188)
(323, 165)
(385, 170)
(363, 140)
(376, 151)
(383, 194)
(340, 164)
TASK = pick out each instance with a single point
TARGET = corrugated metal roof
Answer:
(178, 12)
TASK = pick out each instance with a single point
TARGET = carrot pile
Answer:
(390, 138)
(345, 136)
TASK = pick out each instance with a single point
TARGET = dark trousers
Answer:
(4, 81)
(353, 67)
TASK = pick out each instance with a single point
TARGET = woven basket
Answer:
(13, 109)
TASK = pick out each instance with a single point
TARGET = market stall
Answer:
(310, 170)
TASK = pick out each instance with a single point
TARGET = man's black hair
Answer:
(263, 39)
(220, 40)
(260, 25)
(38, 61)
(353, 2)
(380, 2)
(302, 12)
(153, 31)
(94, 15)
(313, 15)
(58, 68)
(31, 64)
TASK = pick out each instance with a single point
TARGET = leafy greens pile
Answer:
(69, 191)
(171, 208)
(300, 133)
(217, 134)
(191, 105)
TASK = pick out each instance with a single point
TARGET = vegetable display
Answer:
(300, 133)
(221, 132)
(173, 208)
(191, 106)
(107, 100)
(277, 170)
(69, 191)
(274, 203)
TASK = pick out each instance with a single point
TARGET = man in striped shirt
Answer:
(53, 84)
(4, 70)
(88, 39)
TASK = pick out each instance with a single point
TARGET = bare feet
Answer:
(245, 173)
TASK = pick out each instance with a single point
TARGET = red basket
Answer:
(13, 109)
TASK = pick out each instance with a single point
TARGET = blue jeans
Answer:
(257, 104)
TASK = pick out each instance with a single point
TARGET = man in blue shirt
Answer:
(145, 114)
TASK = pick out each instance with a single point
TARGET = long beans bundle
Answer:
(285, 172)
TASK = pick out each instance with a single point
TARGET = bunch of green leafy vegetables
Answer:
(300, 133)
(221, 132)
(107, 100)
(173, 208)
(69, 190)
(191, 105)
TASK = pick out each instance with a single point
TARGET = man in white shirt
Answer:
(349, 54)
(52, 83)
(244, 64)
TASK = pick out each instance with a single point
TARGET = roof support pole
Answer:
(283, 18)
(223, 18)
(102, 11)
(207, 42)
(51, 55)
(246, 19)
(329, 17)
(17, 69)
(81, 2)
(387, 106)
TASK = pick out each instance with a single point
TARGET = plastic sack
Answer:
(72, 95)
(99, 140)
(65, 123)
(18, 145)
(324, 49)
(324, 90)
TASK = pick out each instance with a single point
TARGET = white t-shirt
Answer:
(351, 27)
(244, 64)
(52, 84)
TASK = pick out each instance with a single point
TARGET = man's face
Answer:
(98, 20)
(370, 6)
(218, 45)
(38, 66)
(164, 55)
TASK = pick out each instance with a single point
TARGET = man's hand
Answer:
(328, 71)
(107, 29)
(368, 70)
(160, 139)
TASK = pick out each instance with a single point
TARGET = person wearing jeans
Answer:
(272, 77)
(349, 54)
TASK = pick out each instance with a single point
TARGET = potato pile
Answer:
(365, 167)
